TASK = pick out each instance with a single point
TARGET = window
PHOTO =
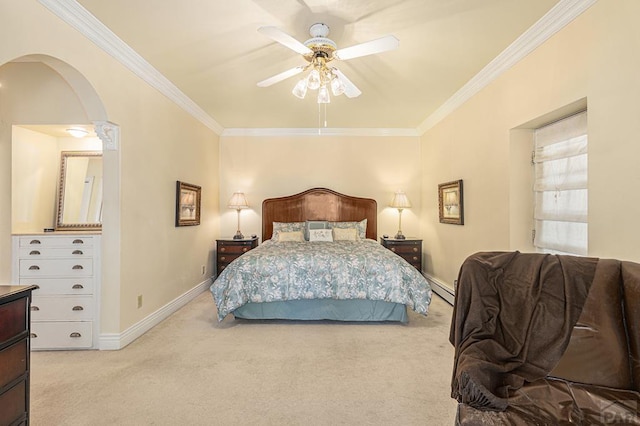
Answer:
(560, 186)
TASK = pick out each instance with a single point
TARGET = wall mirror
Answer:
(80, 191)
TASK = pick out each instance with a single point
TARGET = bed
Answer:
(320, 260)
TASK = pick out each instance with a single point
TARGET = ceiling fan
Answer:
(319, 51)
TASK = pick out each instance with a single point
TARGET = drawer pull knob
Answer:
(244, 249)
(223, 258)
(77, 308)
(223, 249)
(34, 253)
(35, 242)
(35, 308)
(77, 267)
(75, 335)
(77, 252)
(34, 268)
(77, 286)
(415, 257)
(77, 241)
(222, 267)
(393, 249)
(415, 249)
(33, 335)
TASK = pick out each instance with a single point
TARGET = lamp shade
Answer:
(238, 201)
(400, 201)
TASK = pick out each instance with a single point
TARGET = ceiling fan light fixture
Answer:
(323, 95)
(300, 89)
(337, 87)
(313, 81)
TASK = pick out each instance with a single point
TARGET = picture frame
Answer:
(188, 198)
(450, 202)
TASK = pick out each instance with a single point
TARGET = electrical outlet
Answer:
(139, 301)
(203, 269)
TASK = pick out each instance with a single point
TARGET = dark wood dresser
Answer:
(228, 249)
(15, 302)
(409, 249)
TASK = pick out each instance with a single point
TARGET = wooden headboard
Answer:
(319, 204)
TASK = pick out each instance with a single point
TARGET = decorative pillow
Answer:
(360, 226)
(314, 224)
(345, 234)
(320, 235)
(287, 226)
(290, 236)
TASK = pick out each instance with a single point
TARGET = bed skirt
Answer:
(325, 309)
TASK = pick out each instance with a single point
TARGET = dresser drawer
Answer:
(14, 405)
(64, 308)
(56, 267)
(61, 335)
(35, 241)
(55, 252)
(13, 319)
(55, 286)
(13, 362)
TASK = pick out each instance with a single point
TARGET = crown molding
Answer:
(71, 12)
(323, 131)
(553, 21)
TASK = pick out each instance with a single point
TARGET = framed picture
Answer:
(450, 203)
(187, 204)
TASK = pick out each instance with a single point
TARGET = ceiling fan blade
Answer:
(279, 77)
(368, 48)
(276, 34)
(350, 89)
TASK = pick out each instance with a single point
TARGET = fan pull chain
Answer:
(322, 123)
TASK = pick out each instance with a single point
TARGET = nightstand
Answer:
(409, 249)
(228, 249)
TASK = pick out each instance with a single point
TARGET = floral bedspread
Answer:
(277, 271)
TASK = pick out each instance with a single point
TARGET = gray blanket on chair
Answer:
(512, 320)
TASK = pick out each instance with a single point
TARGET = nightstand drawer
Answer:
(405, 248)
(409, 249)
(227, 250)
(233, 248)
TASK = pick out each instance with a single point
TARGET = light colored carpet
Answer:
(190, 370)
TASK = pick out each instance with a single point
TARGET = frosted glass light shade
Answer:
(77, 132)
(300, 89)
(337, 88)
(313, 81)
(323, 95)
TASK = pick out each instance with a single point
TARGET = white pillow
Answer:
(345, 234)
(320, 235)
(290, 236)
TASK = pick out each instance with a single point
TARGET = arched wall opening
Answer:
(39, 97)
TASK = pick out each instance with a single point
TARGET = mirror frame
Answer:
(64, 156)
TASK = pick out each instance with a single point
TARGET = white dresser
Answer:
(65, 307)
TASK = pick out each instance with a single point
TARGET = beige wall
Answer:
(35, 174)
(143, 253)
(270, 166)
(596, 57)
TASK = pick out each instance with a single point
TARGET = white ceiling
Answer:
(212, 52)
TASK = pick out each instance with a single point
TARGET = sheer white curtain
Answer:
(560, 188)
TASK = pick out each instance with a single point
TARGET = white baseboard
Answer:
(116, 341)
(441, 289)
